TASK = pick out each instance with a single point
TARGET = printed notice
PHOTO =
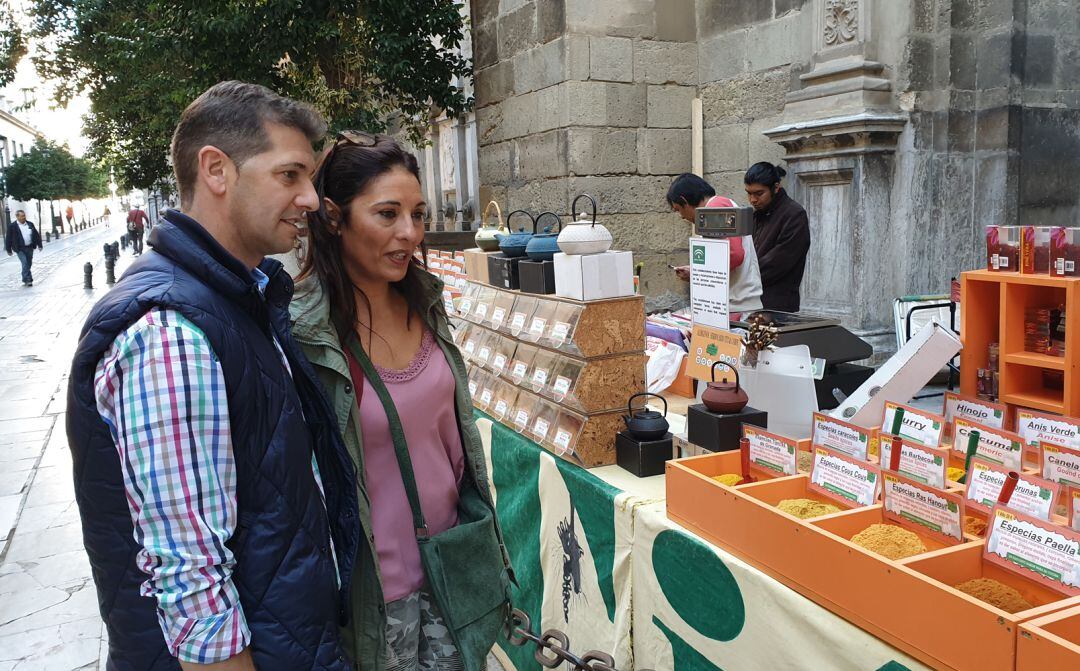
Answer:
(921, 427)
(540, 429)
(834, 434)
(518, 371)
(562, 441)
(1032, 496)
(465, 307)
(539, 378)
(536, 329)
(1061, 464)
(771, 452)
(470, 345)
(561, 387)
(485, 354)
(499, 362)
(1035, 549)
(501, 406)
(973, 410)
(1035, 427)
(1074, 509)
(486, 396)
(844, 479)
(911, 504)
(521, 419)
(995, 446)
(709, 268)
(927, 465)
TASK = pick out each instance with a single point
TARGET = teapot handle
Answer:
(630, 402)
(552, 214)
(729, 367)
(573, 206)
(532, 218)
(498, 212)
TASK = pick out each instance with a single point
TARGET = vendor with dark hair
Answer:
(781, 237)
(687, 193)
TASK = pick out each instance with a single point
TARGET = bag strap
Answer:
(397, 433)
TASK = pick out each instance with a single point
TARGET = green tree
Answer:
(366, 64)
(12, 45)
(49, 172)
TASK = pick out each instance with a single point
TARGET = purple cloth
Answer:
(672, 335)
(424, 396)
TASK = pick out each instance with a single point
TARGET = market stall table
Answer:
(597, 558)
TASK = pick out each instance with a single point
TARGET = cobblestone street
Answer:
(48, 606)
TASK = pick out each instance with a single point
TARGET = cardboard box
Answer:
(1065, 252)
(594, 276)
(1035, 250)
(476, 265)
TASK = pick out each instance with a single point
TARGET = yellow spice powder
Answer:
(995, 593)
(805, 461)
(804, 509)
(976, 526)
(953, 473)
(729, 479)
(889, 541)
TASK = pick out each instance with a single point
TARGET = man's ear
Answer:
(215, 169)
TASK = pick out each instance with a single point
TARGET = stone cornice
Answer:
(863, 133)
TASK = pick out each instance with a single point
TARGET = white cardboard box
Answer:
(594, 277)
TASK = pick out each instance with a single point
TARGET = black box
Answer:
(847, 377)
(720, 433)
(503, 271)
(537, 277)
(642, 458)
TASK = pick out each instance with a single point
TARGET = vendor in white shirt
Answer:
(689, 192)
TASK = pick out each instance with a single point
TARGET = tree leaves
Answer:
(365, 64)
(12, 45)
(49, 172)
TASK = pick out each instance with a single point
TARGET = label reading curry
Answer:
(917, 426)
(843, 437)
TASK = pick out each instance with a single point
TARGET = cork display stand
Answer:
(909, 603)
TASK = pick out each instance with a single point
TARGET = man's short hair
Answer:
(232, 116)
(689, 189)
(18, 212)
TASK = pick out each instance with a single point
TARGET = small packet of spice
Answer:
(1064, 251)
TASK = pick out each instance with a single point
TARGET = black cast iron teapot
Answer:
(645, 424)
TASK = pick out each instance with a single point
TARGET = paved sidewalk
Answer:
(48, 605)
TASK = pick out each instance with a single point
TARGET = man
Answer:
(136, 227)
(781, 237)
(202, 444)
(22, 239)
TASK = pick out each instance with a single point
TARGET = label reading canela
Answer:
(1061, 464)
(834, 434)
(771, 452)
(1032, 496)
(909, 503)
(844, 479)
(1035, 549)
(995, 446)
(973, 410)
(497, 317)
(923, 464)
(1035, 427)
(917, 426)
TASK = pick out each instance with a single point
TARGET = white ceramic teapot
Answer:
(584, 235)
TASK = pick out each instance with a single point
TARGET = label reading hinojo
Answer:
(973, 410)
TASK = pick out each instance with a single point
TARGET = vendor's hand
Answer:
(683, 273)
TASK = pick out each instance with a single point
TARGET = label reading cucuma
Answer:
(995, 446)
(840, 436)
(973, 410)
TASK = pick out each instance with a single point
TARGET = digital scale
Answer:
(724, 222)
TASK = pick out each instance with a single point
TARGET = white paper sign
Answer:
(1036, 427)
(519, 370)
(710, 261)
(539, 378)
(562, 440)
(919, 464)
(559, 332)
(537, 327)
(499, 363)
(521, 419)
(561, 387)
(497, 317)
(1053, 556)
(540, 428)
(844, 479)
(517, 322)
(501, 407)
(1029, 497)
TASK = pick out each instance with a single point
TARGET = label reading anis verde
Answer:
(921, 427)
(843, 437)
(843, 479)
(1035, 427)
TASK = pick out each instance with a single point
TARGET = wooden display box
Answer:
(476, 265)
(909, 603)
(1050, 642)
(607, 383)
(611, 326)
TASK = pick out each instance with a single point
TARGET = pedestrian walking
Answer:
(214, 489)
(370, 318)
(22, 239)
(136, 227)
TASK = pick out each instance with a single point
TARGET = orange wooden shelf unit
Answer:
(992, 310)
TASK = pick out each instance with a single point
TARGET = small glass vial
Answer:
(980, 384)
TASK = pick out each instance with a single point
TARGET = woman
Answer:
(781, 237)
(371, 319)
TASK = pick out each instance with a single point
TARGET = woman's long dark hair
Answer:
(345, 173)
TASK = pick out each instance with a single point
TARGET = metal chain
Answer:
(553, 647)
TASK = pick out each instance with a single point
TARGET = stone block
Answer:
(489, 127)
(665, 62)
(540, 68)
(657, 232)
(761, 148)
(996, 190)
(994, 130)
(961, 131)
(495, 162)
(550, 19)
(627, 194)
(508, 6)
(611, 59)
(541, 156)
(1050, 159)
(577, 56)
(963, 64)
(586, 103)
(722, 56)
(726, 148)
(729, 184)
(517, 31)
(613, 18)
(484, 11)
(670, 106)
(494, 84)
(721, 16)
(676, 20)
(485, 45)
(923, 16)
(784, 7)
(998, 13)
(780, 42)
(1039, 59)
(965, 15)
(664, 151)
(749, 96)
(1068, 70)
(918, 65)
(1051, 15)
(550, 107)
(539, 195)
(599, 151)
(625, 105)
(994, 54)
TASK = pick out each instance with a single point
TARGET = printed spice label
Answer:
(921, 427)
(844, 479)
(1034, 549)
(995, 446)
(834, 434)
(771, 452)
(922, 464)
(1061, 464)
(909, 503)
(973, 410)
(1035, 427)
(1032, 496)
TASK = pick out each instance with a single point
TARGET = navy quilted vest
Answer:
(284, 567)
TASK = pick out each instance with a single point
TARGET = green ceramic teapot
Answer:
(487, 237)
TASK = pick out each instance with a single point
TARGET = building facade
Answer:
(16, 138)
(906, 126)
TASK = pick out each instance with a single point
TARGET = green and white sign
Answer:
(709, 278)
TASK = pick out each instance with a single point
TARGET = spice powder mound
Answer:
(729, 479)
(805, 461)
(804, 509)
(889, 541)
(954, 474)
(998, 595)
(976, 526)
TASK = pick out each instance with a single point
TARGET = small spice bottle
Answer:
(980, 384)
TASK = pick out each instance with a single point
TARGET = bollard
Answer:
(88, 275)
(48, 238)
(116, 250)
(107, 248)
(110, 270)
(123, 241)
